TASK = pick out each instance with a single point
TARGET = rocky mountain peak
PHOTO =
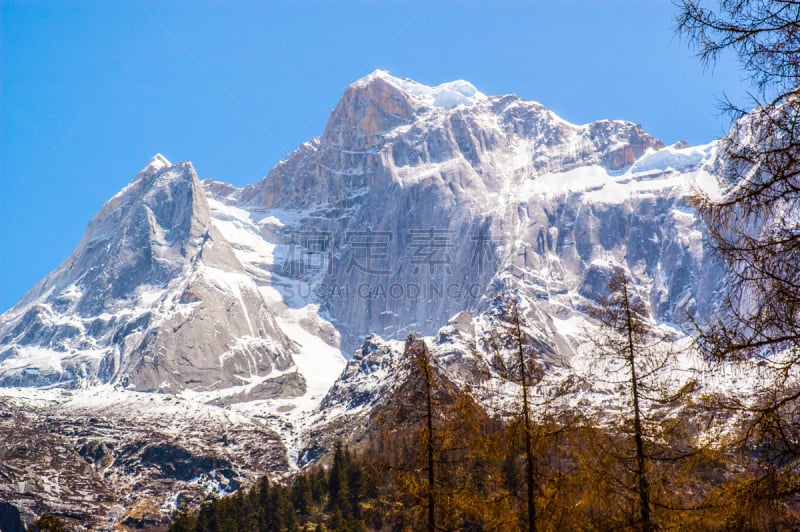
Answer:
(388, 130)
(379, 102)
(446, 95)
(157, 162)
(142, 300)
(141, 236)
(369, 107)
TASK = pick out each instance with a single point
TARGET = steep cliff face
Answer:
(429, 200)
(153, 298)
(415, 204)
(389, 130)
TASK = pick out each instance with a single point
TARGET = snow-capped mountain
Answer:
(412, 212)
(458, 189)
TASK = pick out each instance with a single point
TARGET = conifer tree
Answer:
(637, 356)
(418, 351)
(338, 492)
(623, 340)
(627, 317)
(519, 367)
(301, 496)
(532, 415)
(753, 228)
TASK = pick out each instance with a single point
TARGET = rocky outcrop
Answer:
(99, 459)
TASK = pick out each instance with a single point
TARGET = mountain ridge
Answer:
(404, 216)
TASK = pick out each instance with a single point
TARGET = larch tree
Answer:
(626, 337)
(752, 217)
(418, 350)
(439, 447)
(524, 371)
(538, 418)
(638, 357)
(414, 434)
(753, 221)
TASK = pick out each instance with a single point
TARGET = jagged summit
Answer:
(142, 299)
(446, 95)
(387, 130)
(157, 172)
(157, 162)
(380, 102)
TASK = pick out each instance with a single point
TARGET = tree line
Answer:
(435, 459)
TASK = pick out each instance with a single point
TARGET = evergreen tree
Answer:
(338, 491)
(355, 487)
(317, 482)
(207, 518)
(301, 496)
(183, 522)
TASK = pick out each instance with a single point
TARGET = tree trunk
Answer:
(641, 472)
(529, 475)
(425, 362)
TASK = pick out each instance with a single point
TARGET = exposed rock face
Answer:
(387, 131)
(100, 457)
(426, 207)
(367, 111)
(153, 298)
(415, 204)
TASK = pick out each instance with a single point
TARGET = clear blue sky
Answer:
(91, 90)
